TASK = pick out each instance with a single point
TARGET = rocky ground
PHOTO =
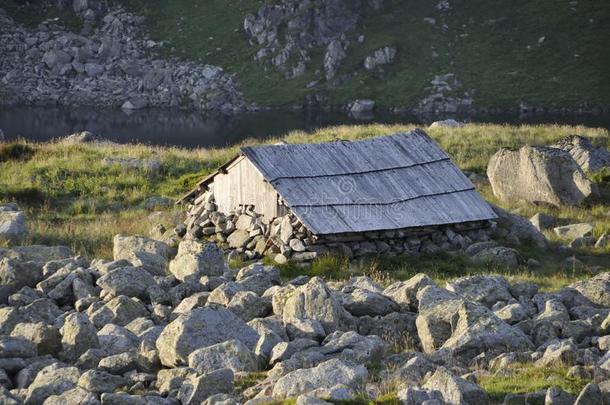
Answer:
(109, 64)
(161, 326)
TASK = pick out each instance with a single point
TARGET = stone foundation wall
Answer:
(247, 235)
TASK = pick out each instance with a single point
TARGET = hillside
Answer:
(483, 55)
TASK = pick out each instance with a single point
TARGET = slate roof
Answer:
(399, 181)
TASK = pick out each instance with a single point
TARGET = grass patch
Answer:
(33, 13)
(527, 378)
(442, 267)
(332, 267)
(245, 381)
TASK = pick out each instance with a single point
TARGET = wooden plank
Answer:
(438, 210)
(374, 187)
(244, 185)
(306, 160)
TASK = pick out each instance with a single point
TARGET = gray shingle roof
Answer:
(391, 182)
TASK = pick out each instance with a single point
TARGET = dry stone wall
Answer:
(249, 236)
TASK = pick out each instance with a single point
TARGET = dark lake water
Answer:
(193, 129)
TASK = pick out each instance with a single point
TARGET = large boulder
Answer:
(78, 336)
(238, 239)
(258, 278)
(591, 394)
(13, 347)
(196, 259)
(520, 228)
(51, 380)
(326, 375)
(315, 300)
(129, 281)
(574, 231)
(9, 318)
(562, 353)
(456, 390)
(498, 256)
(115, 339)
(437, 307)
(98, 381)
(448, 123)
(76, 395)
(140, 251)
(200, 328)
(12, 224)
(248, 306)
(46, 337)
(589, 157)
(478, 330)
(350, 346)
(542, 221)
(15, 275)
(596, 289)
(362, 106)
(486, 289)
(42, 254)
(232, 354)
(169, 380)
(538, 175)
(120, 310)
(361, 302)
(404, 293)
(196, 390)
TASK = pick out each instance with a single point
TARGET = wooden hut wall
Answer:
(243, 184)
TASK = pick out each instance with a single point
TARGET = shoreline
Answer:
(523, 109)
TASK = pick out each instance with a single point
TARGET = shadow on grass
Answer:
(16, 151)
(441, 267)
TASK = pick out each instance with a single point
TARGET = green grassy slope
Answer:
(492, 47)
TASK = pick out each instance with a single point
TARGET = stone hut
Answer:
(392, 194)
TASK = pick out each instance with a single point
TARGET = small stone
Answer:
(98, 381)
(542, 221)
(46, 337)
(574, 231)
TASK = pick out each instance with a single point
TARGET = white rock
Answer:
(538, 175)
(200, 328)
(325, 375)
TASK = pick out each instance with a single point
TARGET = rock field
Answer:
(108, 64)
(160, 326)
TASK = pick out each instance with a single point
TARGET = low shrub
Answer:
(16, 151)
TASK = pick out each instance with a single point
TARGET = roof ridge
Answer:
(385, 169)
(417, 131)
(384, 202)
